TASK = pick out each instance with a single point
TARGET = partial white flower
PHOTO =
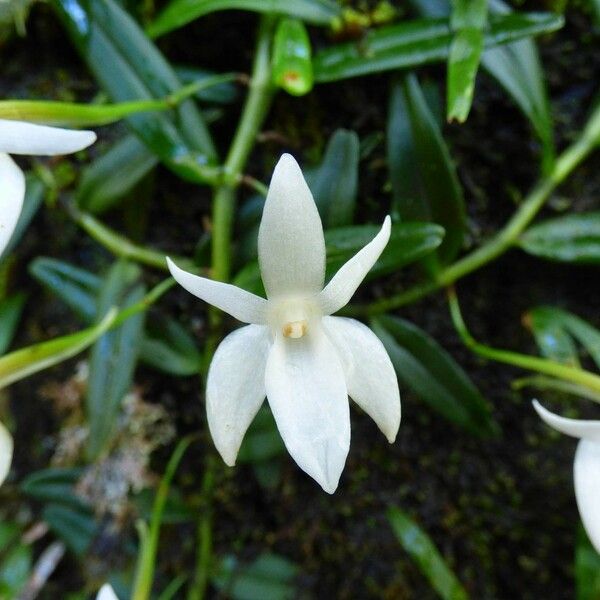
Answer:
(305, 361)
(586, 469)
(18, 137)
(106, 593)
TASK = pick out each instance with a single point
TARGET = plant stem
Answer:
(524, 361)
(224, 201)
(509, 234)
(255, 110)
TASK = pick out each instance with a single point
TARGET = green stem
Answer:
(254, 112)
(149, 537)
(543, 382)
(524, 361)
(509, 234)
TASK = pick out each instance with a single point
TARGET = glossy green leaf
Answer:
(417, 42)
(22, 363)
(426, 555)
(553, 340)
(408, 243)
(74, 286)
(269, 576)
(292, 58)
(574, 238)
(424, 180)
(113, 175)
(34, 195)
(335, 183)
(54, 485)
(130, 67)
(434, 376)
(16, 560)
(113, 357)
(468, 21)
(10, 314)
(569, 325)
(587, 569)
(180, 12)
(76, 528)
(168, 347)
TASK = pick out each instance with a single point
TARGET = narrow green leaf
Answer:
(269, 576)
(114, 174)
(426, 555)
(574, 238)
(551, 337)
(22, 363)
(424, 180)
(16, 560)
(570, 325)
(75, 527)
(335, 183)
(181, 12)
(292, 58)
(113, 357)
(10, 313)
(213, 89)
(418, 42)
(54, 485)
(262, 441)
(130, 67)
(74, 286)
(434, 376)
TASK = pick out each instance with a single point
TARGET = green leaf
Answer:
(34, 195)
(269, 576)
(76, 528)
(54, 485)
(418, 42)
(291, 58)
(587, 568)
(574, 238)
(569, 325)
(74, 286)
(434, 376)
(262, 441)
(468, 20)
(22, 363)
(425, 554)
(218, 92)
(130, 67)
(15, 561)
(114, 174)
(10, 313)
(113, 357)
(168, 347)
(551, 336)
(181, 12)
(335, 183)
(408, 243)
(424, 180)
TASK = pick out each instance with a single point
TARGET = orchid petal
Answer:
(579, 428)
(12, 193)
(235, 388)
(239, 303)
(106, 593)
(6, 452)
(341, 288)
(370, 376)
(291, 246)
(307, 394)
(586, 472)
(19, 137)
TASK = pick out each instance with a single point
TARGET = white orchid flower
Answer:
(18, 137)
(106, 593)
(586, 468)
(305, 361)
